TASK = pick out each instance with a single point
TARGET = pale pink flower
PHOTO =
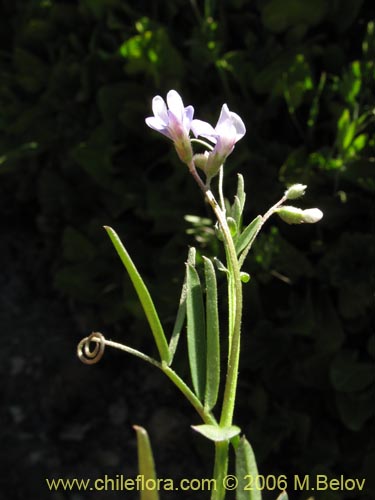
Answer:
(174, 122)
(229, 130)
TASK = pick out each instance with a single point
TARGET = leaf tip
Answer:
(140, 430)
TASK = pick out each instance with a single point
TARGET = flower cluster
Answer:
(175, 121)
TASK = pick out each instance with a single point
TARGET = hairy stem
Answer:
(232, 372)
(265, 217)
(220, 469)
(235, 304)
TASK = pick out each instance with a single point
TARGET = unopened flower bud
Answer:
(245, 277)
(232, 224)
(295, 191)
(290, 215)
(312, 215)
(200, 160)
(294, 215)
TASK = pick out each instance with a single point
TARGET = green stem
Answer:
(270, 212)
(232, 373)
(235, 315)
(221, 193)
(265, 217)
(220, 469)
(235, 290)
(231, 304)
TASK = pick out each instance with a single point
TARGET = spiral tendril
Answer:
(86, 353)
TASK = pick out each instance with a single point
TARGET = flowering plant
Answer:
(198, 306)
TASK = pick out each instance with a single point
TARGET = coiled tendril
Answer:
(86, 354)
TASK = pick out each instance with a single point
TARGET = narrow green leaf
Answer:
(143, 295)
(314, 109)
(349, 136)
(344, 120)
(236, 212)
(192, 254)
(241, 195)
(181, 313)
(346, 130)
(359, 142)
(196, 331)
(216, 433)
(248, 235)
(246, 466)
(213, 337)
(220, 266)
(146, 465)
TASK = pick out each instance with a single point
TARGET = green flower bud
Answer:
(295, 191)
(290, 215)
(294, 215)
(232, 224)
(200, 160)
(245, 277)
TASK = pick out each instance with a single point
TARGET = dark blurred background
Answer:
(77, 80)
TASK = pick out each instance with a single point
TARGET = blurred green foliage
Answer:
(77, 82)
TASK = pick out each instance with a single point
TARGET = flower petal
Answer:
(159, 109)
(239, 125)
(175, 104)
(226, 117)
(189, 112)
(175, 127)
(227, 137)
(158, 125)
(204, 129)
